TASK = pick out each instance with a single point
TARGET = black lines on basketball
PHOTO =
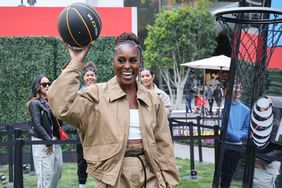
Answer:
(79, 24)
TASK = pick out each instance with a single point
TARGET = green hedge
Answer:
(24, 58)
(274, 84)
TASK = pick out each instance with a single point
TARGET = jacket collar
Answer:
(44, 104)
(115, 92)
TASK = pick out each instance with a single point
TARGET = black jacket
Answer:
(43, 121)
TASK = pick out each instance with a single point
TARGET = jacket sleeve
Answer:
(245, 127)
(167, 103)
(66, 102)
(165, 149)
(35, 112)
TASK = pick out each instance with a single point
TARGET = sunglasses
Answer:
(44, 84)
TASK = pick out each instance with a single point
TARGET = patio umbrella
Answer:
(220, 62)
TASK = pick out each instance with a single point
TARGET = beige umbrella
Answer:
(220, 62)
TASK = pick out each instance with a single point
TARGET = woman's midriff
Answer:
(134, 141)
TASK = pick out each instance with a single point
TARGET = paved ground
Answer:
(183, 151)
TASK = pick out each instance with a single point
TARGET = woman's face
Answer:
(126, 64)
(44, 86)
(147, 78)
(89, 78)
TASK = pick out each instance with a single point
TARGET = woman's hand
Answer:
(78, 54)
(49, 150)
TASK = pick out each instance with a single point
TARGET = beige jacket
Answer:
(101, 113)
(165, 98)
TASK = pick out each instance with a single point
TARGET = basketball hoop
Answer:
(248, 15)
(253, 34)
(253, 38)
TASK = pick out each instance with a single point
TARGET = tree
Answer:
(179, 36)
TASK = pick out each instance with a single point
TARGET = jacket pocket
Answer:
(101, 153)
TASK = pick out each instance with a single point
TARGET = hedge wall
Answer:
(274, 82)
(22, 59)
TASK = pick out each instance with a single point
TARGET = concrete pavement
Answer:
(183, 151)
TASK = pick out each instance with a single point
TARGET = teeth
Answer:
(127, 73)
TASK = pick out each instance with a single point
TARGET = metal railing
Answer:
(15, 143)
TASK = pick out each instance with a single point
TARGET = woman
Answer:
(147, 78)
(89, 73)
(127, 141)
(47, 159)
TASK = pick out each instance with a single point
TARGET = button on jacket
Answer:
(101, 113)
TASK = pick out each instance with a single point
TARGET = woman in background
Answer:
(47, 158)
(89, 73)
(147, 79)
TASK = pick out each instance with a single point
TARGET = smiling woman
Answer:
(127, 137)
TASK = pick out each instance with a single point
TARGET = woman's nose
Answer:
(127, 64)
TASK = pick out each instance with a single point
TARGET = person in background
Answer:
(208, 94)
(237, 132)
(127, 142)
(218, 96)
(147, 78)
(48, 161)
(190, 93)
(89, 73)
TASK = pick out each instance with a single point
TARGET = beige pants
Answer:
(48, 168)
(132, 173)
(265, 177)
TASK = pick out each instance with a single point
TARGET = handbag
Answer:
(63, 135)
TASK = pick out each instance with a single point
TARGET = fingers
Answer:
(49, 150)
(78, 54)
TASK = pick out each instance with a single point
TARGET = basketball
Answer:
(79, 24)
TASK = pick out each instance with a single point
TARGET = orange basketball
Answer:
(79, 24)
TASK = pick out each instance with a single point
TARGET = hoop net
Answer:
(253, 34)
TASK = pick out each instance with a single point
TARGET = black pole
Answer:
(193, 171)
(10, 151)
(31, 159)
(259, 68)
(216, 145)
(227, 106)
(18, 172)
(170, 127)
(199, 139)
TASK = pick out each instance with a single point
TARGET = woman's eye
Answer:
(121, 60)
(133, 60)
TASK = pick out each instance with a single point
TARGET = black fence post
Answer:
(10, 151)
(199, 139)
(171, 128)
(216, 145)
(31, 158)
(193, 171)
(18, 172)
